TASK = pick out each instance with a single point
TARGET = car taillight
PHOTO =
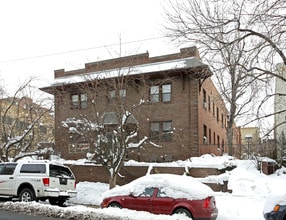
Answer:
(276, 208)
(75, 184)
(46, 181)
(207, 202)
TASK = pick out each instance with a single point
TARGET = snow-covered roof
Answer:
(184, 63)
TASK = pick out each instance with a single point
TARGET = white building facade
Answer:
(280, 111)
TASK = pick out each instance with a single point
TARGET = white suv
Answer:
(37, 180)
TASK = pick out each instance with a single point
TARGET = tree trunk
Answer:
(112, 180)
(230, 141)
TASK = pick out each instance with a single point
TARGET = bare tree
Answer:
(241, 40)
(109, 124)
(21, 121)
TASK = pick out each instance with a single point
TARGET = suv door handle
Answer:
(11, 177)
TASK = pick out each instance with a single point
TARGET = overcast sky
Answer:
(39, 36)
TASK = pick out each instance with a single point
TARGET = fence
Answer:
(96, 173)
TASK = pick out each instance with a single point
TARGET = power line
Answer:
(79, 50)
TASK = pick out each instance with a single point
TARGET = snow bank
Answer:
(82, 212)
(204, 161)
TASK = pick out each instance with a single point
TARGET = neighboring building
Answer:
(16, 115)
(250, 142)
(280, 111)
(172, 97)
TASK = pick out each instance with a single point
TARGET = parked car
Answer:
(275, 206)
(37, 180)
(164, 194)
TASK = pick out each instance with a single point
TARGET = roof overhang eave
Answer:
(200, 72)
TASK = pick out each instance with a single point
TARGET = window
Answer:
(210, 136)
(21, 124)
(33, 168)
(222, 145)
(217, 114)
(75, 101)
(205, 138)
(112, 94)
(122, 93)
(56, 171)
(214, 138)
(148, 192)
(116, 94)
(83, 101)
(43, 129)
(167, 130)
(160, 93)
(161, 193)
(204, 99)
(161, 131)
(7, 169)
(155, 130)
(7, 120)
(79, 101)
(166, 93)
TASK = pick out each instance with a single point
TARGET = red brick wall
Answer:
(208, 117)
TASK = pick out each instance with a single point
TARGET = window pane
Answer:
(154, 94)
(74, 98)
(167, 97)
(148, 192)
(155, 126)
(167, 131)
(112, 94)
(167, 126)
(83, 100)
(33, 168)
(74, 101)
(154, 90)
(56, 171)
(166, 88)
(83, 97)
(155, 130)
(154, 98)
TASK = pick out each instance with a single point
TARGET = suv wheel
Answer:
(26, 195)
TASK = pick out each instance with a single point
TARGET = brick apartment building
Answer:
(172, 97)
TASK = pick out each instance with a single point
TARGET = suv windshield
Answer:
(60, 171)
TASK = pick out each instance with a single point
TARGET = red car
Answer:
(164, 194)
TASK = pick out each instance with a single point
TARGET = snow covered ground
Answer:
(250, 188)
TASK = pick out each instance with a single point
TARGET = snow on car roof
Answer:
(174, 186)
